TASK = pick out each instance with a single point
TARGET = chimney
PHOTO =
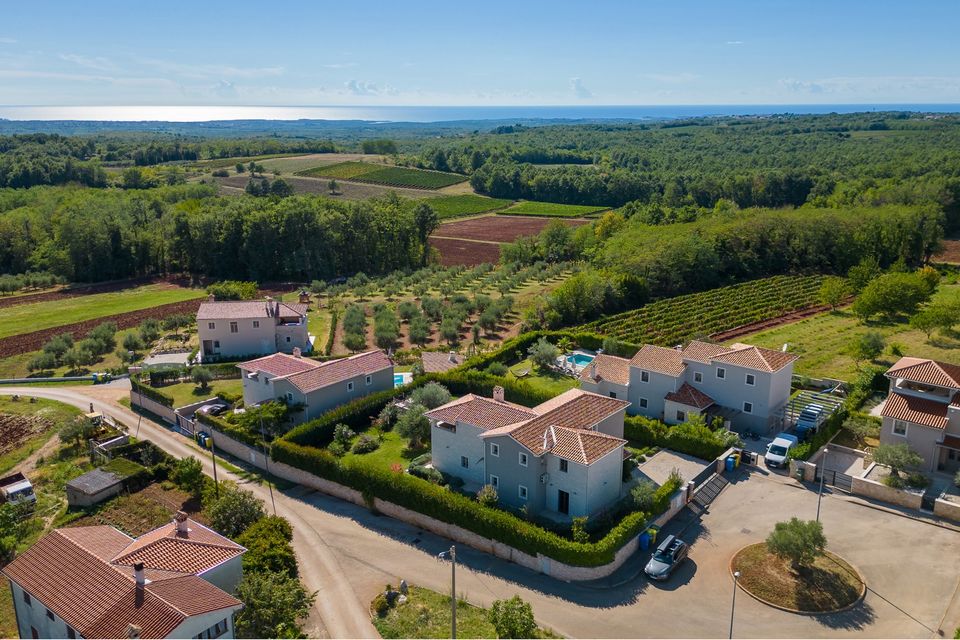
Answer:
(296, 352)
(453, 356)
(180, 520)
(593, 370)
(498, 393)
(138, 575)
(211, 298)
(134, 631)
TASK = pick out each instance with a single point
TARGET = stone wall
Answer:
(879, 491)
(947, 509)
(154, 407)
(539, 563)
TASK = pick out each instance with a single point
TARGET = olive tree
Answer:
(799, 541)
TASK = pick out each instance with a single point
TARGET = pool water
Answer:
(580, 359)
(400, 379)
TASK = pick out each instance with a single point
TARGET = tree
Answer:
(833, 291)
(188, 475)
(487, 496)
(425, 221)
(354, 341)
(513, 618)
(431, 395)
(644, 496)
(868, 346)
(543, 353)
(925, 320)
(77, 430)
(892, 294)
(274, 605)
(578, 530)
(268, 547)
(386, 328)
(332, 186)
(240, 168)
(43, 361)
(860, 427)
(234, 510)
(150, 330)
(133, 342)
(898, 457)
(799, 541)
(202, 377)
(860, 275)
(450, 330)
(413, 425)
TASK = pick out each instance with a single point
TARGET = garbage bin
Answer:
(799, 472)
(653, 530)
(731, 463)
(736, 459)
(644, 540)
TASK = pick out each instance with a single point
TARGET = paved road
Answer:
(343, 614)
(911, 567)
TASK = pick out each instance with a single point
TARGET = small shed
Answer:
(304, 296)
(93, 487)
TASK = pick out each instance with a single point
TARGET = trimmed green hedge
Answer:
(700, 441)
(150, 392)
(331, 338)
(228, 429)
(424, 497)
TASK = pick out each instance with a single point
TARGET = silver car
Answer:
(668, 556)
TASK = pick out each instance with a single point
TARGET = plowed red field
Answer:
(16, 430)
(465, 252)
(498, 228)
(26, 342)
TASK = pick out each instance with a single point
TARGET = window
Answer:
(215, 631)
(751, 379)
(681, 416)
(523, 459)
(289, 396)
(748, 407)
(256, 324)
(50, 614)
(369, 380)
(494, 481)
(266, 380)
(464, 462)
(643, 403)
(494, 449)
(34, 633)
(698, 376)
(522, 492)
(349, 386)
(563, 465)
(71, 633)
(900, 428)
(288, 338)
(27, 599)
(211, 325)
(613, 394)
(216, 344)
(644, 376)
(721, 373)
(234, 328)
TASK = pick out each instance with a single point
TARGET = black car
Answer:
(213, 409)
(668, 556)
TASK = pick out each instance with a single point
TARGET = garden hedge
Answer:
(437, 502)
(228, 429)
(150, 392)
(698, 441)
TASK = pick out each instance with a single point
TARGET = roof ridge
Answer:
(164, 600)
(107, 563)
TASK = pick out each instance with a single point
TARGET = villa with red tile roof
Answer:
(238, 328)
(97, 582)
(564, 456)
(742, 384)
(316, 386)
(923, 411)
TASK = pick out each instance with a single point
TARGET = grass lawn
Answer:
(427, 615)
(55, 412)
(393, 449)
(465, 205)
(185, 393)
(827, 585)
(551, 381)
(530, 208)
(384, 174)
(25, 318)
(823, 341)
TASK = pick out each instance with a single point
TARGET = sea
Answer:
(423, 114)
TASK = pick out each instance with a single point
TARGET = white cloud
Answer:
(360, 88)
(340, 65)
(734, 42)
(8, 40)
(879, 87)
(97, 63)
(675, 78)
(579, 90)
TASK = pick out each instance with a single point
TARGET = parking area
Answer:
(659, 466)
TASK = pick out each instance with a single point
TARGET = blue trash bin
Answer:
(644, 541)
(731, 463)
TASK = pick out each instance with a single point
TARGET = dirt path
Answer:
(760, 325)
(30, 462)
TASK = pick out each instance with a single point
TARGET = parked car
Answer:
(213, 409)
(668, 556)
(778, 451)
(809, 420)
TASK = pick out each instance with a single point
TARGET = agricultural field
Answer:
(293, 164)
(528, 208)
(496, 228)
(465, 205)
(950, 253)
(824, 341)
(677, 320)
(235, 185)
(26, 318)
(385, 175)
(468, 253)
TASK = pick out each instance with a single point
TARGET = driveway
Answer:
(911, 567)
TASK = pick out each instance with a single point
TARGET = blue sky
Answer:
(478, 53)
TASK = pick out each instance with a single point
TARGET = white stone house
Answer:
(251, 327)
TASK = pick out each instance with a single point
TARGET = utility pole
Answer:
(213, 456)
(266, 464)
(733, 605)
(823, 472)
(452, 556)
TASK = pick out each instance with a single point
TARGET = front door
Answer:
(563, 502)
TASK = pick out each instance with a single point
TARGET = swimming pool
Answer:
(400, 379)
(580, 360)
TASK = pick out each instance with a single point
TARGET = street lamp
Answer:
(733, 604)
(452, 556)
(823, 472)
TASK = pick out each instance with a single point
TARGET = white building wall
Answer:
(606, 388)
(604, 481)
(225, 575)
(612, 425)
(670, 409)
(195, 625)
(247, 341)
(258, 389)
(446, 447)
(658, 386)
(573, 481)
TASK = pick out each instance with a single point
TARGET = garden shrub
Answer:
(365, 444)
(232, 431)
(151, 393)
(380, 605)
(269, 549)
(692, 438)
